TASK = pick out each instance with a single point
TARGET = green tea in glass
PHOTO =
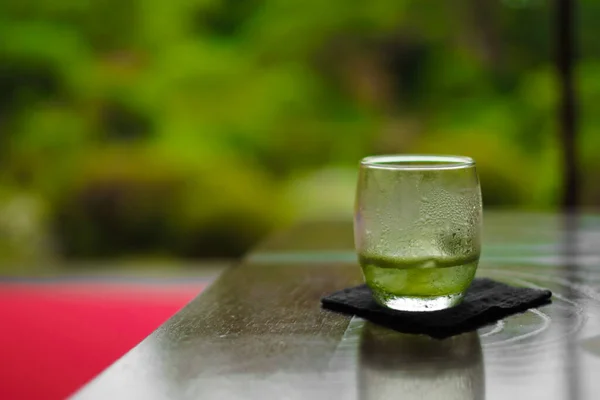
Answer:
(417, 229)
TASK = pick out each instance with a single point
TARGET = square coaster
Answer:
(485, 302)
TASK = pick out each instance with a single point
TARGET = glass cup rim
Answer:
(417, 162)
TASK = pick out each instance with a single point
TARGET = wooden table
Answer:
(259, 333)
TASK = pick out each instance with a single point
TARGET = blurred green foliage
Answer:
(191, 128)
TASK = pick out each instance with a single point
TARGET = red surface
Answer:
(54, 337)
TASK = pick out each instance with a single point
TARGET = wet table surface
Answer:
(259, 333)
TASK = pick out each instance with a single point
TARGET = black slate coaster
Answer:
(485, 302)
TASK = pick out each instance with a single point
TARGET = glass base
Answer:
(413, 303)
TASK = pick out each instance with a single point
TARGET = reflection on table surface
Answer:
(259, 333)
(396, 365)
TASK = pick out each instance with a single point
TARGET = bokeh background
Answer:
(143, 130)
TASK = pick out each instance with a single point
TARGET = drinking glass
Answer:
(417, 229)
